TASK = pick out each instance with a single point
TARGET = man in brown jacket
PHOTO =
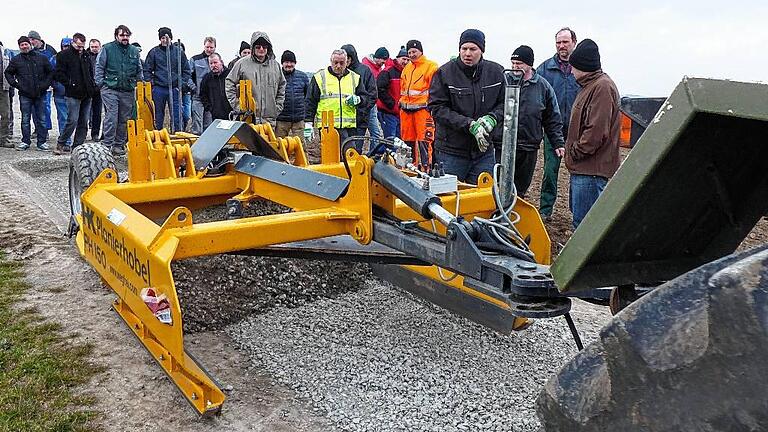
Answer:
(592, 146)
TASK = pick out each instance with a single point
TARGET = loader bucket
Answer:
(690, 191)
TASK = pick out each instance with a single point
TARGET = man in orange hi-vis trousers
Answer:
(416, 125)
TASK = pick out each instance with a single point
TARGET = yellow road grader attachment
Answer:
(444, 245)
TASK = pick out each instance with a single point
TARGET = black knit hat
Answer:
(381, 53)
(288, 56)
(473, 35)
(413, 43)
(244, 46)
(585, 57)
(23, 39)
(403, 52)
(523, 53)
(162, 31)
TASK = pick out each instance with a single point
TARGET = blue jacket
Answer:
(296, 87)
(565, 86)
(156, 68)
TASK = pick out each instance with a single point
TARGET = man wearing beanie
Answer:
(558, 72)
(245, 51)
(592, 145)
(388, 88)
(538, 111)
(466, 99)
(161, 67)
(375, 62)
(266, 77)
(417, 127)
(31, 74)
(290, 122)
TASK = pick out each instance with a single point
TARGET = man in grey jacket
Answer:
(266, 76)
(199, 66)
(5, 100)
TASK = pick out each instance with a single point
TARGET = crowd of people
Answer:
(450, 114)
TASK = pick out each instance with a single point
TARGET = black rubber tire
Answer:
(691, 355)
(86, 162)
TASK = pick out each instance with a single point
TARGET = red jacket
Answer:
(388, 86)
(376, 70)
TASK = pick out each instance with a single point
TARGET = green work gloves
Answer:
(352, 100)
(308, 130)
(477, 129)
(488, 122)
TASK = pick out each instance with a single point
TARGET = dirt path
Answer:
(133, 393)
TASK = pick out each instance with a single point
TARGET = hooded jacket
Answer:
(460, 94)
(295, 96)
(74, 71)
(388, 87)
(156, 67)
(369, 86)
(266, 77)
(375, 69)
(30, 73)
(592, 147)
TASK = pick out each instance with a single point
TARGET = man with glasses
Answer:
(118, 68)
(266, 76)
(75, 72)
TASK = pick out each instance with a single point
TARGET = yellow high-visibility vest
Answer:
(333, 93)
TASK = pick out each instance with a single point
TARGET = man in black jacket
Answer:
(31, 74)
(538, 111)
(74, 70)
(94, 47)
(466, 99)
(212, 89)
(369, 86)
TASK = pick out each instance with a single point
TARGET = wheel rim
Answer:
(75, 190)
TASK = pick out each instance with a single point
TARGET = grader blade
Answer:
(689, 192)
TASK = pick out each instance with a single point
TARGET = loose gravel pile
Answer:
(382, 360)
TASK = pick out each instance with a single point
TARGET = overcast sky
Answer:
(646, 46)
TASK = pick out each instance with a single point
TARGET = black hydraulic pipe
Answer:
(402, 187)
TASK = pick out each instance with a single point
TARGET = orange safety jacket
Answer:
(414, 83)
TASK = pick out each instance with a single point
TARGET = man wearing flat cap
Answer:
(466, 99)
(538, 112)
(592, 145)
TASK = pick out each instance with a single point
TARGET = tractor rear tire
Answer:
(690, 355)
(87, 161)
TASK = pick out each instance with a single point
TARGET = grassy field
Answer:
(42, 372)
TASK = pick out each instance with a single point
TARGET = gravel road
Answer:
(364, 354)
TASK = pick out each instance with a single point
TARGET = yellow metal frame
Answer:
(131, 252)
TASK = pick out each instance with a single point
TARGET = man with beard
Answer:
(212, 89)
(466, 99)
(266, 78)
(118, 68)
(290, 122)
(388, 86)
(558, 72)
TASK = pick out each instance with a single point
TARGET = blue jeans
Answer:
(584, 191)
(78, 112)
(47, 118)
(186, 102)
(390, 124)
(374, 127)
(61, 114)
(467, 169)
(161, 99)
(345, 133)
(35, 109)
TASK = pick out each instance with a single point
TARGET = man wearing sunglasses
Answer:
(266, 76)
